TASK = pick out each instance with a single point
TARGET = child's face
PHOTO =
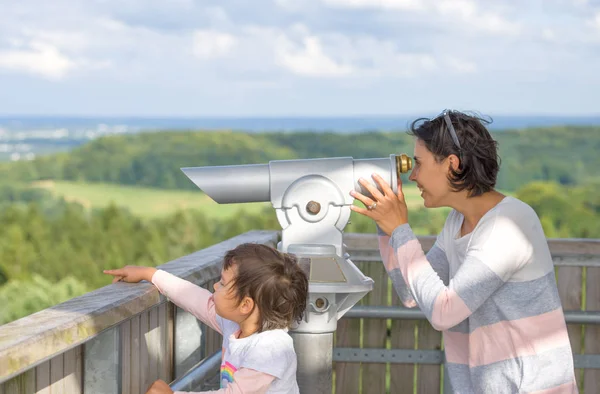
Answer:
(226, 302)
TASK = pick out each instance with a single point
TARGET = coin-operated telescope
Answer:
(311, 198)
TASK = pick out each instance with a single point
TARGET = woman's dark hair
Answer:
(274, 280)
(477, 150)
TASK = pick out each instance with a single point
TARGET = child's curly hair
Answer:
(274, 280)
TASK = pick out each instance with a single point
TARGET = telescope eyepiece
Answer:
(403, 164)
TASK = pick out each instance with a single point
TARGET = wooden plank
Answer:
(126, 357)
(56, 374)
(135, 379)
(569, 289)
(153, 341)
(21, 384)
(402, 337)
(171, 340)
(348, 334)
(42, 378)
(28, 382)
(591, 380)
(164, 362)
(347, 375)
(375, 330)
(73, 366)
(11, 386)
(428, 376)
(145, 376)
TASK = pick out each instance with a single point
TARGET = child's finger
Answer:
(114, 272)
(117, 279)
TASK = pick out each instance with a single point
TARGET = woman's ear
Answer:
(454, 162)
(247, 305)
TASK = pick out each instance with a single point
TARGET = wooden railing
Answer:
(120, 338)
(117, 339)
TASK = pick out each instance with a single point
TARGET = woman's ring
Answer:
(372, 206)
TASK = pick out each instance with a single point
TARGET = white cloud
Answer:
(39, 59)
(309, 60)
(212, 44)
(467, 13)
(462, 66)
(548, 34)
(136, 46)
(376, 4)
(335, 55)
(596, 21)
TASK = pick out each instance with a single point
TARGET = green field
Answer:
(151, 203)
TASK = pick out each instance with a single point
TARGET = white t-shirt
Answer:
(265, 354)
(271, 352)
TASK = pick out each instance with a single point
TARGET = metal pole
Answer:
(314, 351)
(195, 377)
(394, 312)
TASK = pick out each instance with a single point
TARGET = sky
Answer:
(298, 57)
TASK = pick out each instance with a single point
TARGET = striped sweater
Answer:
(493, 295)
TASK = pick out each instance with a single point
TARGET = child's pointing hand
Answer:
(131, 274)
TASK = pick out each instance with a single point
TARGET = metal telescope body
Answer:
(312, 201)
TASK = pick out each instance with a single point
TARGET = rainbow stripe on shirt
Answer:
(227, 371)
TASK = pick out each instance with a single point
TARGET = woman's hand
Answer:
(388, 210)
(131, 274)
(159, 387)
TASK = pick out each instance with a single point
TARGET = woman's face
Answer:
(430, 176)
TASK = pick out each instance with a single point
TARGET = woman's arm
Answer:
(436, 257)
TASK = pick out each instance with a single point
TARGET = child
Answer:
(260, 294)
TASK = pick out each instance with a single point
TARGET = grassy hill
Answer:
(566, 155)
(152, 203)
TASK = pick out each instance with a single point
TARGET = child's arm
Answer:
(188, 296)
(246, 381)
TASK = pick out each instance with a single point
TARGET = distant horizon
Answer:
(332, 123)
(289, 116)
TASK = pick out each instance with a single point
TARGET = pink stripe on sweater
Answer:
(518, 338)
(387, 253)
(567, 388)
(448, 310)
(416, 261)
(456, 347)
(390, 263)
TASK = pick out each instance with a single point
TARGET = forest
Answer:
(53, 248)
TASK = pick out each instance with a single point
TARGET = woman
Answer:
(488, 282)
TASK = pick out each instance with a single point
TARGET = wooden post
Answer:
(569, 289)
(375, 330)
(591, 380)
(402, 337)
